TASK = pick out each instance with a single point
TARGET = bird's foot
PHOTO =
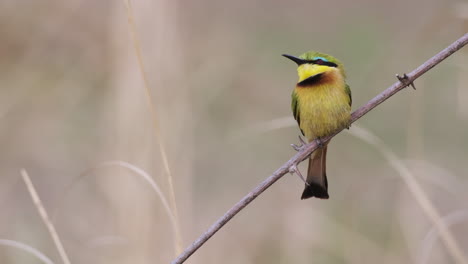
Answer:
(294, 170)
(300, 146)
(405, 80)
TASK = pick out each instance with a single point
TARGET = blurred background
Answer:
(74, 108)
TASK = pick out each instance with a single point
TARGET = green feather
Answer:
(348, 91)
(295, 109)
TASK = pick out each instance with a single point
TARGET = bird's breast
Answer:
(324, 108)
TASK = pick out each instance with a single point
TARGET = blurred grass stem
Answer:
(143, 174)
(309, 148)
(33, 251)
(432, 236)
(149, 96)
(44, 216)
(416, 190)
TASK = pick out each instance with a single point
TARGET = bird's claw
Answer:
(296, 147)
(300, 146)
(294, 170)
(405, 80)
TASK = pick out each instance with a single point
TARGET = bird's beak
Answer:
(297, 60)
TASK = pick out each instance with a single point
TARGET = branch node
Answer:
(405, 80)
(320, 142)
(294, 170)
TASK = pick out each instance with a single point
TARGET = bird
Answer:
(321, 104)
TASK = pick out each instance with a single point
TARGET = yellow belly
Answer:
(323, 109)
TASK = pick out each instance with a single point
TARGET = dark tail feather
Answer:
(317, 176)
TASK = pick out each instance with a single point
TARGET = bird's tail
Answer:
(316, 175)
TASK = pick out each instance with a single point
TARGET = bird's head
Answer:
(313, 64)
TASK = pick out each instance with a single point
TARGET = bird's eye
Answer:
(319, 62)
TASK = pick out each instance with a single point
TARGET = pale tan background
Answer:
(72, 97)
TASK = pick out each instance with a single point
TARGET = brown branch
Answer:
(403, 82)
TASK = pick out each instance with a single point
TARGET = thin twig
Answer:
(162, 150)
(44, 216)
(309, 148)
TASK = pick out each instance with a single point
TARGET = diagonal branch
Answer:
(403, 82)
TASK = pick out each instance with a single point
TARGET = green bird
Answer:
(321, 104)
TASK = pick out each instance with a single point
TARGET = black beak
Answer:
(295, 59)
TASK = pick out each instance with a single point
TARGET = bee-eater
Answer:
(321, 104)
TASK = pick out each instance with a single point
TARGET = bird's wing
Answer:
(295, 109)
(348, 91)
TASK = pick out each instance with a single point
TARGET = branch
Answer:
(403, 82)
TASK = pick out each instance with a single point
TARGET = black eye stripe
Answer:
(322, 62)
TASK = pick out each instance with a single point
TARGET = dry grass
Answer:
(170, 99)
(416, 190)
(149, 96)
(21, 246)
(45, 217)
